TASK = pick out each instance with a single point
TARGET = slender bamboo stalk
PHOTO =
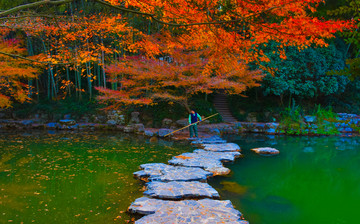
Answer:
(31, 53)
(48, 85)
(103, 63)
(37, 90)
(78, 68)
(99, 71)
(54, 93)
(88, 74)
(76, 83)
(68, 81)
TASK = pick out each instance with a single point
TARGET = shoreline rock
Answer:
(345, 124)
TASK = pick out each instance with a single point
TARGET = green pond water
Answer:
(74, 178)
(87, 178)
(314, 180)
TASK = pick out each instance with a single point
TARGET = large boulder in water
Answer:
(139, 128)
(266, 151)
(148, 133)
(52, 125)
(164, 131)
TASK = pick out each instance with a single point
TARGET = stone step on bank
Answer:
(178, 193)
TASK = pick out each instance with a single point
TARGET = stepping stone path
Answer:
(180, 190)
(169, 188)
(166, 173)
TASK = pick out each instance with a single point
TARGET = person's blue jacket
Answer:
(194, 118)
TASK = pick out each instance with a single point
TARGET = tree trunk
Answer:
(185, 103)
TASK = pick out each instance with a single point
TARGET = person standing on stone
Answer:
(193, 118)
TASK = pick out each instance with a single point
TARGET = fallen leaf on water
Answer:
(182, 157)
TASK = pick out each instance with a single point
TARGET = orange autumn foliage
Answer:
(13, 74)
(76, 40)
(208, 44)
(186, 73)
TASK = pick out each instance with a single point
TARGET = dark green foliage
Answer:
(352, 70)
(303, 73)
(329, 5)
(152, 116)
(255, 103)
(57, 109)
(325, 121)
(205, 109)
(350, 10)
(292, 121)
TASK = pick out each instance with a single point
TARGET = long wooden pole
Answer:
(191, 124)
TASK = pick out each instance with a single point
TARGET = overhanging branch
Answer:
(26, 16)
(152, 16)
(33, 5)
(123, 9)
(32, 60)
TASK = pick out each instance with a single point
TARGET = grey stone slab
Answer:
(165, 173)
(205, 211)
(210, 140)
(210, 161)
(224, 147)
(180, 190)
(266, 151)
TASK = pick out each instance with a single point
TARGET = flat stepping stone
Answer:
(266, 151)
(224, 147)
(210, 140)
(210, 161)
(205, 211)
(180, 190)
(166, 173)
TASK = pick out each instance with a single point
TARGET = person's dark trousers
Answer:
(193, 130)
